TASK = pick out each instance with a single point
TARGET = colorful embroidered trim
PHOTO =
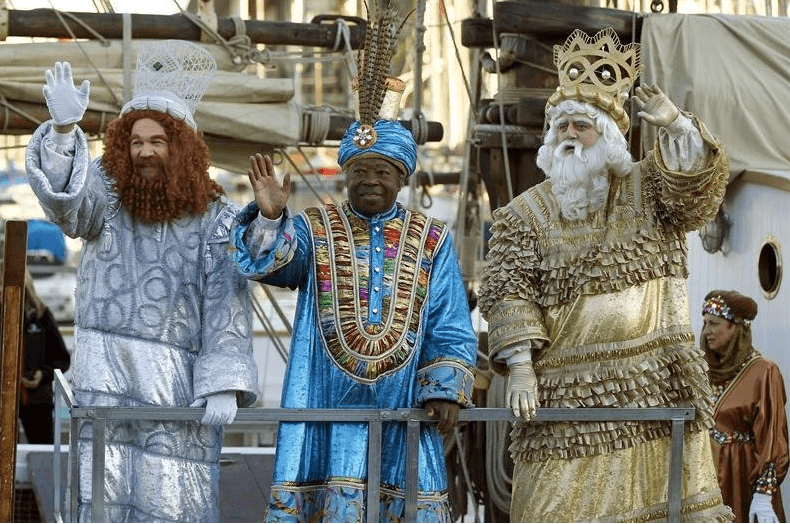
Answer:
(342, 240)
(736, 437)
(716, 306)
(767, 482)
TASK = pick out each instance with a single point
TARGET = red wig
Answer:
(186, 188)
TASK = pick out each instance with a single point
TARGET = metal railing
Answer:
(374, 418)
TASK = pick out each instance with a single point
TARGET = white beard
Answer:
(579, 179)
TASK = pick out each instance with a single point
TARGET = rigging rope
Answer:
(301, 174)
(97, 36)
(267, 325)
(499, 480)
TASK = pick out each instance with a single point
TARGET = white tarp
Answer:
(732, 71)
(242, 109)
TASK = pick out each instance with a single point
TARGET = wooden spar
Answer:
(94, 122)
(15, 255)
(45, 23)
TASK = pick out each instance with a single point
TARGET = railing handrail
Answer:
(374, 417)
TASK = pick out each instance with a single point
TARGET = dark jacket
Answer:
(44, 350)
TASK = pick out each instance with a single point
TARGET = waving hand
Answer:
(654, 106)
(270, 196)
(66, 103)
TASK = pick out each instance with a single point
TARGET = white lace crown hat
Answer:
(171, 77)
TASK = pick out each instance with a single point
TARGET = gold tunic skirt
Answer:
(607, 488)
(629, 349)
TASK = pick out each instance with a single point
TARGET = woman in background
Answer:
(44, 352)
(750, 441)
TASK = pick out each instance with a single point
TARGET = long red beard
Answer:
(151, 200)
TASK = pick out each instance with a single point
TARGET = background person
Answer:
(749, 439)
(44, 352)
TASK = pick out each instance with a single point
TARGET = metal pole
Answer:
(412, 468)
(675, 471)
(374, 470)
(98, 433)
(56, 502)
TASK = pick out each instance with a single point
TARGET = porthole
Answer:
(769, 268)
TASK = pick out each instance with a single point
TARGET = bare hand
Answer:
(33, 383)
(445, 412)
(655, 107)
(269, 194)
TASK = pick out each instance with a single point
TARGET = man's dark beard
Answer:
(150, 199)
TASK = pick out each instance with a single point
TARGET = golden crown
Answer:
(598, 70)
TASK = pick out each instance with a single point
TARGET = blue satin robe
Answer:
(321, 469)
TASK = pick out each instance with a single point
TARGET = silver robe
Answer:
(161, 318)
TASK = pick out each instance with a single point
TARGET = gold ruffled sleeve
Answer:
(687, 201)
(512, 322)
(509, 282)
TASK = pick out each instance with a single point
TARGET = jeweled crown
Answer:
(598, 70)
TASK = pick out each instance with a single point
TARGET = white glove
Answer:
(655, 107)
(220, 408)
(522, 390)
(66, 103)
(761, 509)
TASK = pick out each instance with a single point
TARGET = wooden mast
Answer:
(13, 299)
(46, 23)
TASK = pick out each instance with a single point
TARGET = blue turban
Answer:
(394, 142)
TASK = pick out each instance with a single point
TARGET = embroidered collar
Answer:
(366, 351)
(387, 215)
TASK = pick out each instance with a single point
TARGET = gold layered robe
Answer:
(604, 301)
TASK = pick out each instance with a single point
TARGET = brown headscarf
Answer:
(740, 310)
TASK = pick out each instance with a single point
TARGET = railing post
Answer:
(64, 398)
(98, 430)
(674, 494)
(412, 468)
(74, 470)
(56, 503)
(374, 470)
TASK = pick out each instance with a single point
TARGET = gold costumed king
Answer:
(586, 298)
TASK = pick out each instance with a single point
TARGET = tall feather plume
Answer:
(381, 39)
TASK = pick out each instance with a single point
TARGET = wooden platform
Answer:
(243, 484)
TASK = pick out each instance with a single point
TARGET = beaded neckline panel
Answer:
(366, 350)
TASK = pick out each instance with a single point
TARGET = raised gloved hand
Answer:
(220, 408)
(654, 106)
(522, 390)
(761, 509)
(66, 103)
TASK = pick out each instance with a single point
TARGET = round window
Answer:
(769, 268)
